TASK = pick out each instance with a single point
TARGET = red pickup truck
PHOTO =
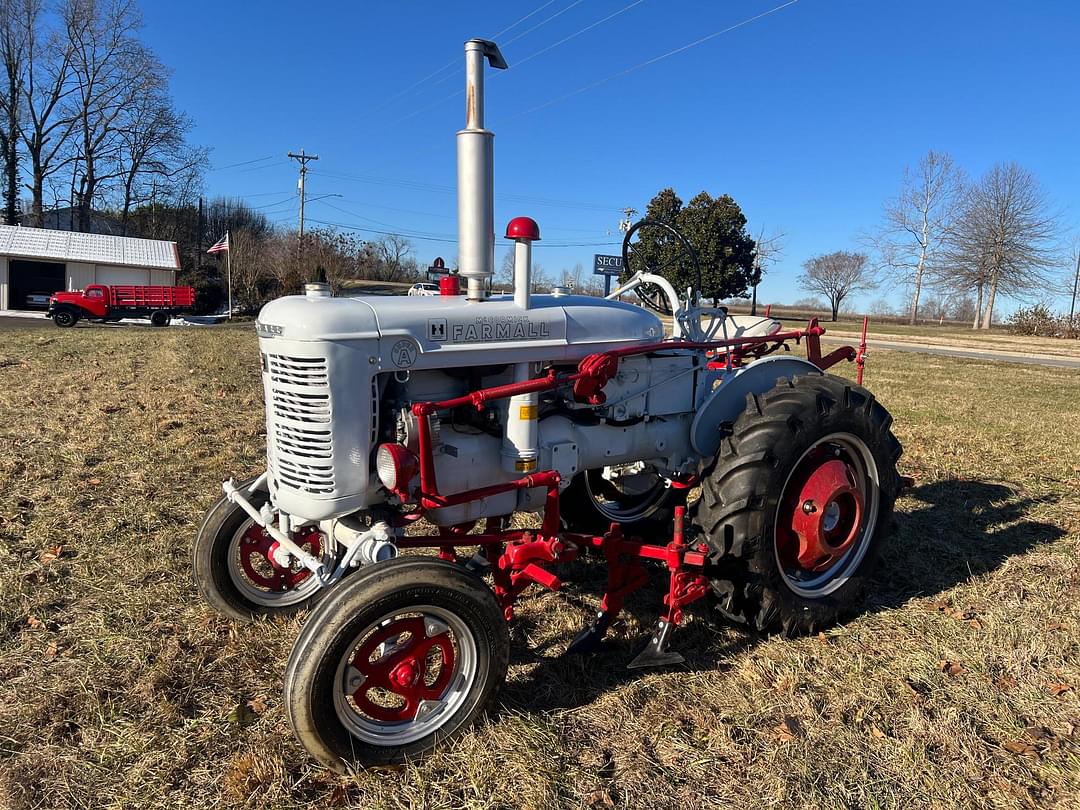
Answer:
(103, 303)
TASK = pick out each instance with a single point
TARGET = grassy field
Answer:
(957, 687)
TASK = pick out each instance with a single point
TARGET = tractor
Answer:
(695, 446)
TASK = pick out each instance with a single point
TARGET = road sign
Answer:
(607, 265)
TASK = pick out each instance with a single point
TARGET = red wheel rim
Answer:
(400, 664)
(257, 561)
(822, 515)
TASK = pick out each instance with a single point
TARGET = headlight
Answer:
(395, 467)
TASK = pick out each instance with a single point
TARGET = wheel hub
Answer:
(396, 680)
(259, 558)
(825, 516)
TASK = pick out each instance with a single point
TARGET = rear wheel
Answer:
(401, 658)
(160, 318)
(234, 566)
(635, 496)
(797, 502)
(65, 318)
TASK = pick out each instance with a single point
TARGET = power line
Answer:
(454, 61)
(542, 23)
(445, 238)
(417, 185)
(241, 163)
(652, 61)
(520, 62)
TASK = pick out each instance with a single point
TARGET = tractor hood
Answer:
(432, 328)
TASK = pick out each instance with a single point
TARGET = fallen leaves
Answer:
(247, 712)
(967, 615)
(788, 729)
(51, 554)
(1058, 689)
(951, 668)
(1034, 743)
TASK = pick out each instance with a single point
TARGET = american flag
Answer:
(221, 245)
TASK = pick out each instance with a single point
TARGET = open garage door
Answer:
(31, 283)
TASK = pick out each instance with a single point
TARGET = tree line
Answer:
(86, 118)
(955, 245)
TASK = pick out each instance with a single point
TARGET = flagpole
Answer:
(228, 272)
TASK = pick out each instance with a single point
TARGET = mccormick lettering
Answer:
(269, 329)
(499, 327)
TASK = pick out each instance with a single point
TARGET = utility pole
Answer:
(302, 158)
(1076, 284)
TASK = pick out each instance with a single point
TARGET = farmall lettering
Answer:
(499, 327)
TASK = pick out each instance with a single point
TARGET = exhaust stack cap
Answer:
(317, 289)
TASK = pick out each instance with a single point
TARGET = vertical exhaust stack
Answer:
(476, 174)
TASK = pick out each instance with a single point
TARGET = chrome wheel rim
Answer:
(843, 521)
(261, 581)
(405, 675)
(628, 497)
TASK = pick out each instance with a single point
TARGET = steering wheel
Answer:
(659, 248)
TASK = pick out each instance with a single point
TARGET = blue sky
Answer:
(806, 117)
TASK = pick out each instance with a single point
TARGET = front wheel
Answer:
(797, 502)
(234, 567)
(65, 318)
(401, 658)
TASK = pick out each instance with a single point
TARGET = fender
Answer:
(728, 399)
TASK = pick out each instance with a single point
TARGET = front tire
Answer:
(65, 319)
(403, 657)
(234, 571)
(796, 504)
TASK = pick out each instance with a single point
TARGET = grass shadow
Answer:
(958, 529)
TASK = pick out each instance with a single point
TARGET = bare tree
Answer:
(917, 223)
(1003, 242)
(767, 250)
(837, 276)
(13, 56)
(46, 127)
(111, 70)
(249, 263)
(393, 252)
(151, 153)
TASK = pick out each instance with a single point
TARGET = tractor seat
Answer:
(747, 326)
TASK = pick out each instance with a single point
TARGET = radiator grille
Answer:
(298, 403)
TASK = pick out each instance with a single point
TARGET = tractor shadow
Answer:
(945, 533)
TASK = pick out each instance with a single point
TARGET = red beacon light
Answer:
(523, 228)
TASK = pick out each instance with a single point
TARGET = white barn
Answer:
(35, 263)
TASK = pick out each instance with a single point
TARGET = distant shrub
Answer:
(1039, 321)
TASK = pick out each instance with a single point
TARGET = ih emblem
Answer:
(436, 328)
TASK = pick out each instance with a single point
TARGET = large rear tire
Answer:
(160, 318)
(402, 657)
(797, 503)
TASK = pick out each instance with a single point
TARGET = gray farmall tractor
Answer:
(463, 409)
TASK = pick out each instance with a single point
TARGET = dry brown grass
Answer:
(118, 688)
